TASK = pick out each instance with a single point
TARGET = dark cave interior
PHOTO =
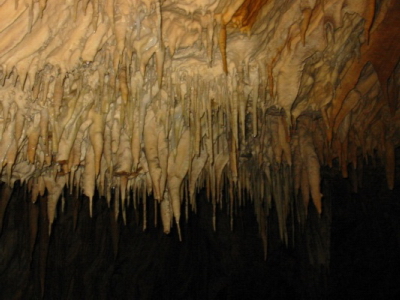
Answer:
(350, 251)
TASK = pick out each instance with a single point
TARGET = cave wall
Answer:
(165, 98)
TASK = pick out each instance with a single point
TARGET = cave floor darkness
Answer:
(364, 252)
(365, 239)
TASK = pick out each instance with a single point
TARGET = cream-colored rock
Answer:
(167, 97)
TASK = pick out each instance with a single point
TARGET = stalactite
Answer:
(91, 98)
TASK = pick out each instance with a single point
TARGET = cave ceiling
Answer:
(163, 98)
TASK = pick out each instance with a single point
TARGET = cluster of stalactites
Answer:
(148, 144)
(165, 99)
